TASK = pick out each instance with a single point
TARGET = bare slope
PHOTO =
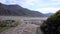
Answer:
(16, 10)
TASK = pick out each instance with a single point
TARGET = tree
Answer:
(52, 24)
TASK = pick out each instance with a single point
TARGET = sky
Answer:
(43, 6)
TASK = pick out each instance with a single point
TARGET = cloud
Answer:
(11, 1)
(43, 6)
(27, 3)
(47, 10)
(2, 1)
(55, 0)
(8, 1)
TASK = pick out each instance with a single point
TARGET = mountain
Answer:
(16, 10)
(48, 14)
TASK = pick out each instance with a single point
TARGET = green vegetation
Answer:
(4, 28)
(52, 24)
(16, 23)
(7, 24)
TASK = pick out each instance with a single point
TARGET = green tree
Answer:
(52, 24)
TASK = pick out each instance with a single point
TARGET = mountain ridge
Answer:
(16, 10)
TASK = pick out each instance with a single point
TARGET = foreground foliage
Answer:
(5, 25)
(52, 24)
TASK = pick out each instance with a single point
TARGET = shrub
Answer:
(9, 23)
(52, 24)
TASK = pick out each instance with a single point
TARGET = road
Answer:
(15, 30)
(22, 29)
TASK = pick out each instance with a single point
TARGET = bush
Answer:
(15, 24)
(9, 23)
(52, 24)
(2, 24)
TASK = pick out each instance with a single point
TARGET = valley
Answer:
(29, 25)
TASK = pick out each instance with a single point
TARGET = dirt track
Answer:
(22, 29)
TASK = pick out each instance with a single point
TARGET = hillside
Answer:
(52, 24)
(16, 10)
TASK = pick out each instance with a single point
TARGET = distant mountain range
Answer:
(49, 14)
(16, 10)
